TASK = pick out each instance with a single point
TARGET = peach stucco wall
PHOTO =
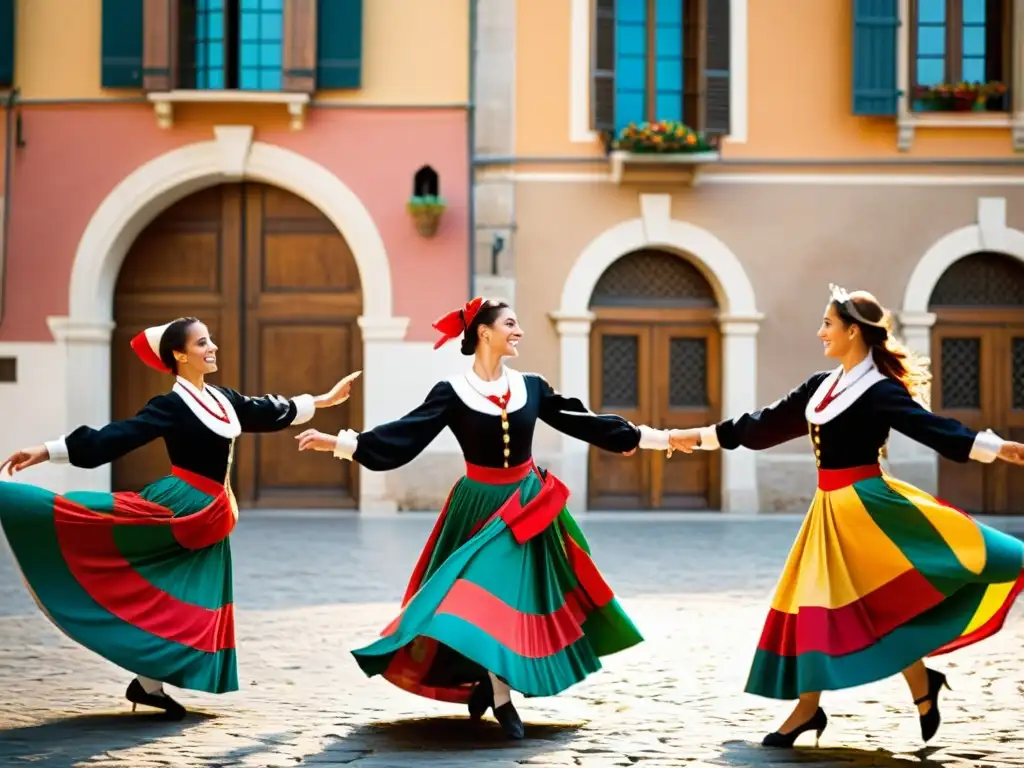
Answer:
(799, 90)
(414, 52)
(74, 157)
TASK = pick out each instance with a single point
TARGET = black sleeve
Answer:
(90, 448)
(773, 425)
(947, 437)
(270, 413)
(568, 415)
(392, 445)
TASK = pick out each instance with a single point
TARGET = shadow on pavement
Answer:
(79, 739)
(746, 753)
(447, 734)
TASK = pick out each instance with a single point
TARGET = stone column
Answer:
(86, 344)
(383, 359)
(910, 460)
(574, 338)
(739, 396)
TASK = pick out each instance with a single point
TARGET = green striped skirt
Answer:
(505, 584)
(143, 579)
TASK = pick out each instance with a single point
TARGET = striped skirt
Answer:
(142, 579)
(505, 584)
(881, 575)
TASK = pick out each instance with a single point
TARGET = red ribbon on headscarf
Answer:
(455, 323)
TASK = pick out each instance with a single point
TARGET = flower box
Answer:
(665, 151)
(426, 212)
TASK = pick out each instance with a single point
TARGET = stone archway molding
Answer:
(739, 321)
(989, 233)
(141, 196)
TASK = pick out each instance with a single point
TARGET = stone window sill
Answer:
(909, 123)
(163, 102)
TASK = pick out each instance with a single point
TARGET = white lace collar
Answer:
(849, 387)
(474, 391)
(213, 400)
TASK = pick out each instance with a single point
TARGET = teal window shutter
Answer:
(121, 59)
(6, 43)
(339, 44)
(875, 25)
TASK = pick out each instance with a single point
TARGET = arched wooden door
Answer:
(655, 359)
(978, 370)
(278, 287)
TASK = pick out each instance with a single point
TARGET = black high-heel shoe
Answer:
(931, 719)
(510, 723)
(818, 723)
(136, 694)
(481, 699)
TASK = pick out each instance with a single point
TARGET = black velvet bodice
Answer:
(190, 444)
(856, 434)
(479, 434)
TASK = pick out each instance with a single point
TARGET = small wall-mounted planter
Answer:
(426, 212)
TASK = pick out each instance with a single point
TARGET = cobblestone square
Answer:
(310, 587)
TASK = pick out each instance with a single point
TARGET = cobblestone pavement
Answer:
(310, 588)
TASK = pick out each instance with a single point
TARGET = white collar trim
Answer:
(473, 391)
(212, 398)
(861, 378)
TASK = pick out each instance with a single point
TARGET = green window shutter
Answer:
(339, 44)
(875, 25)
(6, 43)
(121, 58)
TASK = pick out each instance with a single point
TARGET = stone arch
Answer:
(137, 200)
(739, 322)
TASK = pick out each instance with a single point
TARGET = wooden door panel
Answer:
(1008, 481)
(300, 358)
(620, 383)
(686, 383)
(184, 264)
(302, 299)
(964, 359)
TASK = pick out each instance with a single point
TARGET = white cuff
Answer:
(58, 450)
(986, 447)
(348, 441)
(709, 439)
(653, 439)
(305, 408)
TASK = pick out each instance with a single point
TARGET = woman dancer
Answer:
(144, 579)
(882, 574)
(505, 594)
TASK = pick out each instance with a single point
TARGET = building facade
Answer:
(678, 291)
(249, 162)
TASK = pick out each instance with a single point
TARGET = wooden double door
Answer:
(278, 287)
(660, 368)
(978, 368)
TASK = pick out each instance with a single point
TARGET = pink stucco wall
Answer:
(74, 157)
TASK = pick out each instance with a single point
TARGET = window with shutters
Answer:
(661, 60)
(960, 41)
(245, 46)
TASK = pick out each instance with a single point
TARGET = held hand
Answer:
(629, 453)
(24, 459)
(339, 392)
(312, 440)
(1012, 453)
(685, 440)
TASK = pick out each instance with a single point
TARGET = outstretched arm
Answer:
(272, 413)
(90, 448)
(390, 445)
(948, 437)
(608, 432)
(773, 425)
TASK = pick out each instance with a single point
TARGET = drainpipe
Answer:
(12, 96)
(471, 149)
